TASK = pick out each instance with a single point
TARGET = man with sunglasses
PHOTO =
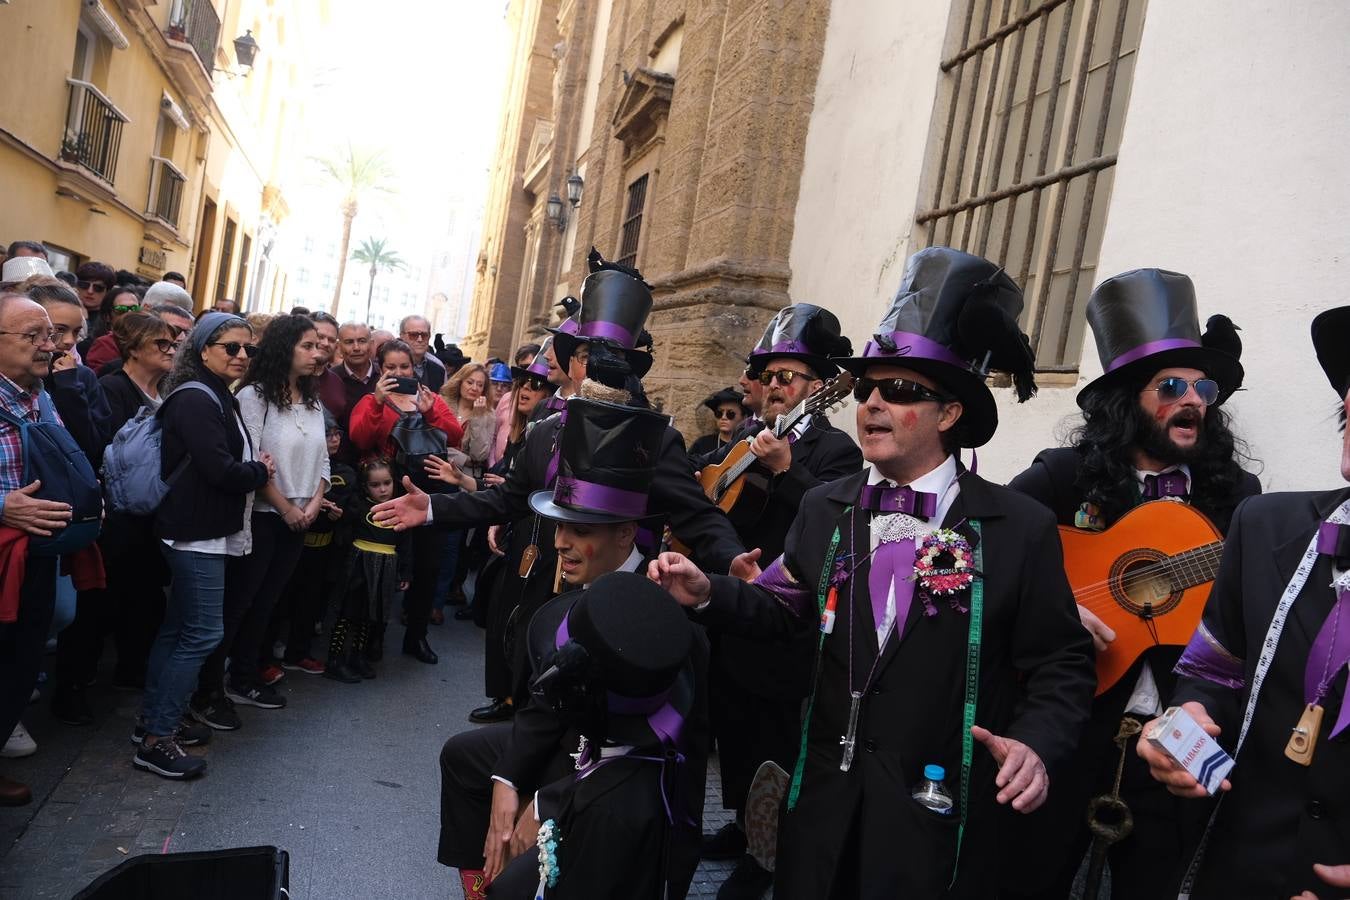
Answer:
(1153, 427)
(757, 687)
(415, 331)
(947, 645)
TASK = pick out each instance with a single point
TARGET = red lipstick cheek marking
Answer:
(588, 551)
(1163, 413)
(910, 418)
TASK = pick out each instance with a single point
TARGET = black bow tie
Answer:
(885, 498)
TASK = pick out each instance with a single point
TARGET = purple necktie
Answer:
(893, 561)
(1331, 648)
(1170, 484)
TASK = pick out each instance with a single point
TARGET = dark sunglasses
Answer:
(1172, 389)
(98, 286)
(896, 390)
(125, 309)
(785, 376)
(417, 335)
(535, 383)
(232, 348)
(727, 414)
(165, 346)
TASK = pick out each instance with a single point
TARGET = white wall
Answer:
(1233, 168)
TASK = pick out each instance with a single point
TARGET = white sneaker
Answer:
(20, 743)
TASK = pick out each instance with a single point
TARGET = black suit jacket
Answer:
(1280, 817)
(1036, 684)
(782, 669)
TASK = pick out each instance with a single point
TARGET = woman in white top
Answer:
(279, 402)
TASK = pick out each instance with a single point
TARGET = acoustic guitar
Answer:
(1147, 576)
(741, 492)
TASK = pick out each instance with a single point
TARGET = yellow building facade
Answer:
(136, 133)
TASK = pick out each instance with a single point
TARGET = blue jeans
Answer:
(449, 563)
(192, 628)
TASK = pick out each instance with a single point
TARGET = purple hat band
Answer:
(1151, 348)
(538, 367)
(609, 331)
(587, 495)
(914, 346)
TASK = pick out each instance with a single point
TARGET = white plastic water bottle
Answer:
(931, 792)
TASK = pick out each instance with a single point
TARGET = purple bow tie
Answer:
(555, 404)
(1171, 484)
(884, 499)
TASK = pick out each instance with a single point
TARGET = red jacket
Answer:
(371, 424)
(13, 565)
(102, 351)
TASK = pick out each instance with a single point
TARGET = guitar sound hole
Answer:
(1141, 585)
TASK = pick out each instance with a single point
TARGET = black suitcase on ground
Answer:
(240, 873)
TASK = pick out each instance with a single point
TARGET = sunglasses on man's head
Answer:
(785, 376)
(896, 390)
(95, 286)
(1173, 388)
(232, 348)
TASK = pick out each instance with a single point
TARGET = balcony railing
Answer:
(93, 130)
(196, 22)
(166, 190)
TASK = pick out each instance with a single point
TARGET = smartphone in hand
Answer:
(406, 385)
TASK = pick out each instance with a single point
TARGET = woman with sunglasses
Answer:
(729, 412)
(117, 302)
(279, 402)
(202, 522)
(398, 396)
(92, 280)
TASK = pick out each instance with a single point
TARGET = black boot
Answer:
(337, 668)
(375, 641)
(357, 660)
(420, 650)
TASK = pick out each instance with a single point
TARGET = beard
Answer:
(1153, 439)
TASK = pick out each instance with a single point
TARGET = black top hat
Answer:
(954, 319)
(625, 642)
(1145, 320)
(607, 459)
(1331, 338)
(725, 395)
(538, 368)
(805, 332)
(615, 302)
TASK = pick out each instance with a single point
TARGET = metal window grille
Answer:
(1035, 102)
(632, 222)
(197, 23)
(93, 136)
(166, 190)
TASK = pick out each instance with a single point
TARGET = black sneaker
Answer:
(70, 706)
(259, 695)
(217, 713)
(727, 843)
(187, 734)
(169, 760)
(748, 881)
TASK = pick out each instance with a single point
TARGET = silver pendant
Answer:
(849, 741)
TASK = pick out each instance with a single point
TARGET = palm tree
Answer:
(374, 252)
(356, 173)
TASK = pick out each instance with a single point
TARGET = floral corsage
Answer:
(548, 841)
(944, 565)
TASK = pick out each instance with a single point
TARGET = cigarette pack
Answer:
(1181, 737)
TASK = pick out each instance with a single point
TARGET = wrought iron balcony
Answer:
(196, 22)
(166, 191)
(93, 134)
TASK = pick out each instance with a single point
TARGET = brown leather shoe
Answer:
(14, 793)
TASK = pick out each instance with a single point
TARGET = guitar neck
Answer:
(1195, 567)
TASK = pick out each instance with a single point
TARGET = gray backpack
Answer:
(132, 462)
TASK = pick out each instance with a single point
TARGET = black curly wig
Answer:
(270, 370)
(1115, 425)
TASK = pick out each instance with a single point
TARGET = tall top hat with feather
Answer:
(1331, 338)
(954, 319)
(615, 302)
(1144, 320)
(804, 332)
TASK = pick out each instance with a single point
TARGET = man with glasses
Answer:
(1153, 428)
(757, 687)
(974, 676)
(348, 381)
(415, 331)
(26, 350)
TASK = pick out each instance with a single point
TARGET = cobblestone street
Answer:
(345, 779)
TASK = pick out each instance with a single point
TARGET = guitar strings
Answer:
(1096, 594)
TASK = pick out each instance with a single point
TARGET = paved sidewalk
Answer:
(345, 779)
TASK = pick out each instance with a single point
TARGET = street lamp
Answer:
(553, 209)
(246, 49)
(574, 186)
